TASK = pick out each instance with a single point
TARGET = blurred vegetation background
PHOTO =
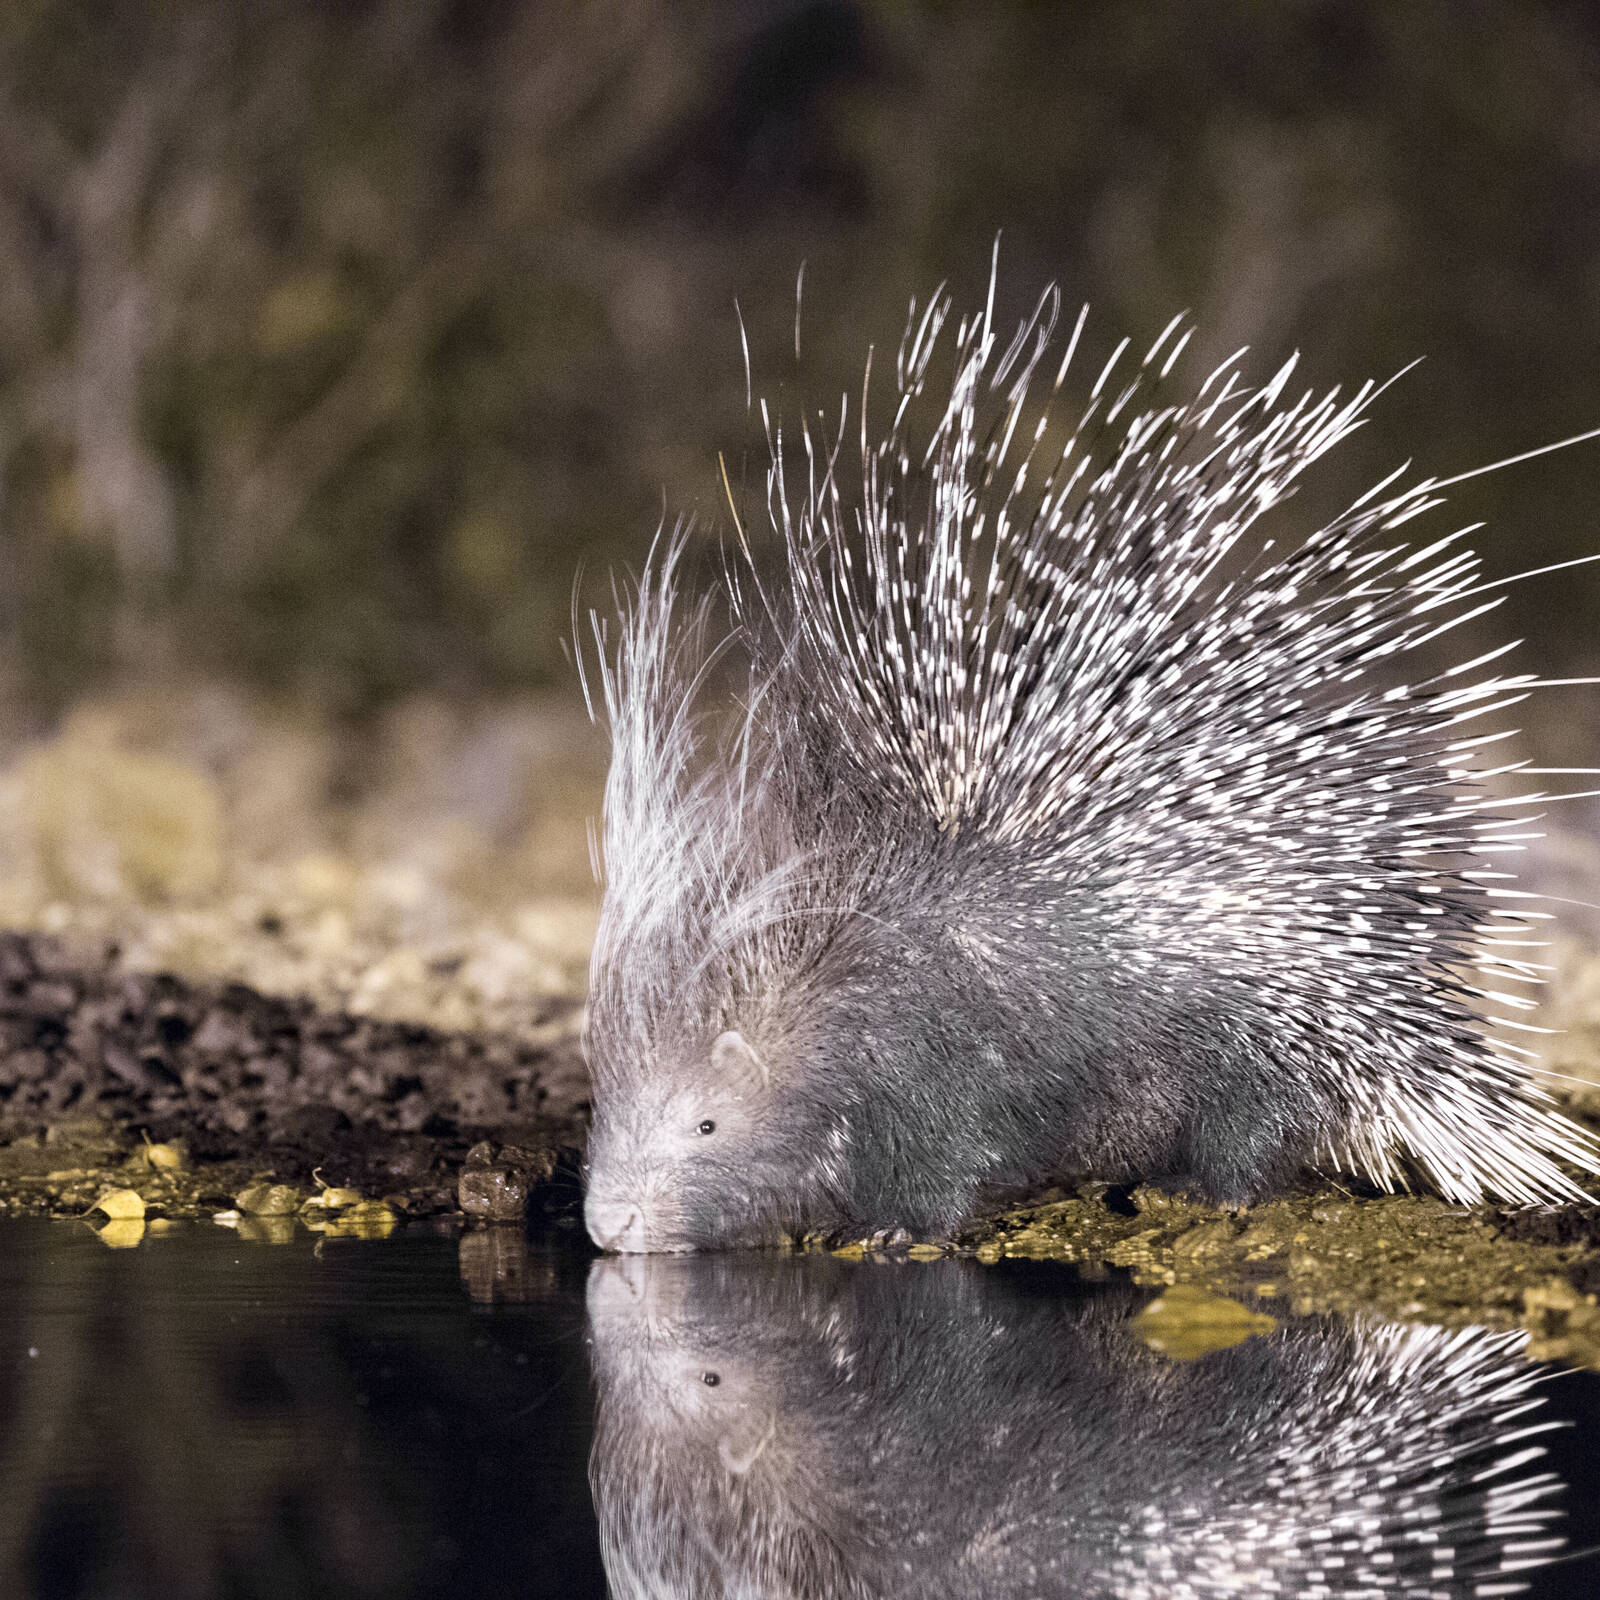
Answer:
(339, 337)
(336, 337)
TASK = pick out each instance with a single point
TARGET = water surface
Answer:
(207, 1416)
(203, 1416)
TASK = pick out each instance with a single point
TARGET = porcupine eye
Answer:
(708, 1126)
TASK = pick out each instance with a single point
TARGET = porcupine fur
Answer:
(1068, 825)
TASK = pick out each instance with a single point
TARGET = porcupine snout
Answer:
(615, 1225)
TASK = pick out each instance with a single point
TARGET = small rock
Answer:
(269, 1200)
(1552, 1295)
(494, 1192)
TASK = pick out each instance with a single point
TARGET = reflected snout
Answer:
(619, 1289)
(616, 1225)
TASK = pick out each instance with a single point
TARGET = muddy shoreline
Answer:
(163, 1100)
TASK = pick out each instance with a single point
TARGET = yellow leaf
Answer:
(121, 1205)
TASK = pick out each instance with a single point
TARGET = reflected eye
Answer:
(708, 1126)
(711, 1379)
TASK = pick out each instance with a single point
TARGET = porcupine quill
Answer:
(1067, 826)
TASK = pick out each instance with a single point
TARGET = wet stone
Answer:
(269, 1200)
(498, 1181)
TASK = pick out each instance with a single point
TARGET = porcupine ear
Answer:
(736, 1066)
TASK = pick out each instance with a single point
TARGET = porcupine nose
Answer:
(616, 1225)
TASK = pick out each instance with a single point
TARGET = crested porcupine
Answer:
(1069, 823)
(823, 1430)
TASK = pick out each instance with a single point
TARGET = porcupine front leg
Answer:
(1240, 1148)
(1239, 1128)
(1234, 1167)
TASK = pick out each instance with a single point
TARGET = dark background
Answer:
(337, 335)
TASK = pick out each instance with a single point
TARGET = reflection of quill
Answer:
(778, 1426)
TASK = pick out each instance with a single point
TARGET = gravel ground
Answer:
(296, 946)
(278, 1085)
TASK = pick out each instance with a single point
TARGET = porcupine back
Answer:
(1070, 825)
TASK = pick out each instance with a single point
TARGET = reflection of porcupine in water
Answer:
(1077, 821)
(807, 1429)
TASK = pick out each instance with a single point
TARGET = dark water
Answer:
(422, 1416)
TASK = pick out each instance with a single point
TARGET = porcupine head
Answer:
(1070, 817)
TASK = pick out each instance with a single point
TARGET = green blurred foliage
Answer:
(336, 339)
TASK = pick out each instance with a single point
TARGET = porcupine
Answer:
(1067, 827)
